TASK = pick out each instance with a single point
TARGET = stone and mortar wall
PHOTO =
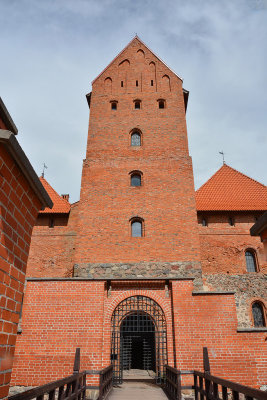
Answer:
(165, 270)
(223, 260)
(52, 249)
(247, 288)
(18, 210)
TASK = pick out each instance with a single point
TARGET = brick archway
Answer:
(111, 304)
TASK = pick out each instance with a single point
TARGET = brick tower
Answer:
(137, 204)
(118, 273)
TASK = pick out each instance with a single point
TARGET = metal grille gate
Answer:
(138, 317)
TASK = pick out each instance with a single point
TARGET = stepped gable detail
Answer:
(230, 190)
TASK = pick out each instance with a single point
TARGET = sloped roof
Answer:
(60, 205)
(230, 190)
(136, 38)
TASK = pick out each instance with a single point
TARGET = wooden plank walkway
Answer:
(137, 391)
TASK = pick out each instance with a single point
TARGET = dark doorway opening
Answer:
(138, 351)
(139, 339)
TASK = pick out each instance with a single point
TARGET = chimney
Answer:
(65, 196)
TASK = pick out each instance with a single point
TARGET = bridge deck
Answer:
(137, 391)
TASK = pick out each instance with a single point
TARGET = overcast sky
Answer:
(51, 50)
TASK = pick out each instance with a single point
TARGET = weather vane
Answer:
(44, 167)
(222, 153)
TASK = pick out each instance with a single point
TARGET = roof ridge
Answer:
(135, 37)
(233, 169)
(54, 191)
(246, 176)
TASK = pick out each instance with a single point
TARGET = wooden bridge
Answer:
(135, 387)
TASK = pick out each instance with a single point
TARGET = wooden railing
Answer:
(211, 387)
(105, 382)
(207, 386)
(172, 385)
(71, 388)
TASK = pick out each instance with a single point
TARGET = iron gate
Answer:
(134, 318)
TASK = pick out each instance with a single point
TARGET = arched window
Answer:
(137, 104)
(135, 139)
(204, 222)
(136, 179)
(137, 227)
(113, 105)
(250, 261)
(258, 314)
(162, 103)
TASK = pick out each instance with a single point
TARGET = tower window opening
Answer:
(231, 221)
(161, 104)
(137, 228)
(136, 179)
(136, 83)
(137, 105)
(152, 83)
(204, 222)
(51, 223)
(258, 314)
(121, 83)
(113, 105)
(250, 261)
(135, 139)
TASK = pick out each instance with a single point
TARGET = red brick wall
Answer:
(18, 210)
(69, 315)
(166, 198)
(78, 314)
(52, 249)
(223, 246)
(210, 321)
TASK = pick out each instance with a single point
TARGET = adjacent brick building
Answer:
(141, 271)
(21, 197)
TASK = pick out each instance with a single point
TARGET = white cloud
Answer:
(52, 50)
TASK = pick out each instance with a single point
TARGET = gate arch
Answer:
(138, 317)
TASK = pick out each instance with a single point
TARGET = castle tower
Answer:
(137, 203)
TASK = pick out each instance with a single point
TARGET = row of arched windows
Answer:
(137, 104)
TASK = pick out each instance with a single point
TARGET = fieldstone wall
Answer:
(165, 270)
(247, 287)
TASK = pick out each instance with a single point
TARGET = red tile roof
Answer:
(60, 205)
(230, 190)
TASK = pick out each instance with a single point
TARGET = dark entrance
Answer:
(138, 342)
(139, 337)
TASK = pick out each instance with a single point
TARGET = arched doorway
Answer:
(139, 337)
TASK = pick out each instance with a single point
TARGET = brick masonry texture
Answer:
(223, 261)
(94, 242)
(72, 314)
(108, 202)
(18, 210)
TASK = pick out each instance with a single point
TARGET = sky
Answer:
(51, 50)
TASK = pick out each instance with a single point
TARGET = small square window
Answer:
(114, 105)
(161, 104)
(137, 105)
